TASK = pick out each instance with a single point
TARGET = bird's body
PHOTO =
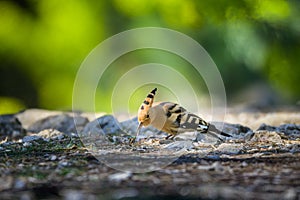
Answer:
(172, 118)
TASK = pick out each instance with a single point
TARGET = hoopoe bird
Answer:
(172, 119)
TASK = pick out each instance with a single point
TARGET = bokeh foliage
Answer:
(43, 42)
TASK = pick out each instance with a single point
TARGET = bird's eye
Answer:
(147, 116)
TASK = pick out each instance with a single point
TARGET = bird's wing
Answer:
(180, 120)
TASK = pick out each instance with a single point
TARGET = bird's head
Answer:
(143, 113)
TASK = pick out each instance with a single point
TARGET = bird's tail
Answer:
(213, 131)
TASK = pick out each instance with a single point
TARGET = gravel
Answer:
(51, 159)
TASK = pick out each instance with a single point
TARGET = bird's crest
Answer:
(146, 105)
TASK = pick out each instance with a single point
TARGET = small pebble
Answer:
(63, 163)
(53, 157)
(19, 184)
(125, 193)
(118, 177)
(31, 138)
(27, 144)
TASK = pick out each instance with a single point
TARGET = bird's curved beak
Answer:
(139, 128)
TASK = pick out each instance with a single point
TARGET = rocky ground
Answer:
(64, 155)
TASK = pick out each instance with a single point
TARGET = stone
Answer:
(105, 125)
(130, 127)
(291, 193)
(63, 123)
(228, 148)
(118, 177)
(128, 193)
(51, 134)
(266, 137)
(266, 127)
(31, 138)
(74, 195)
(11, 128)
(27, 144)
(19, 184)
(206, 138)
(30, 116)
(235, 130)
(53, 157)
(291, 130)
(179, 145)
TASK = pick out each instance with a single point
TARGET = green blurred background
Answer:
(254, 43)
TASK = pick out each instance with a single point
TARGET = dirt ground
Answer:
(54, 163)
